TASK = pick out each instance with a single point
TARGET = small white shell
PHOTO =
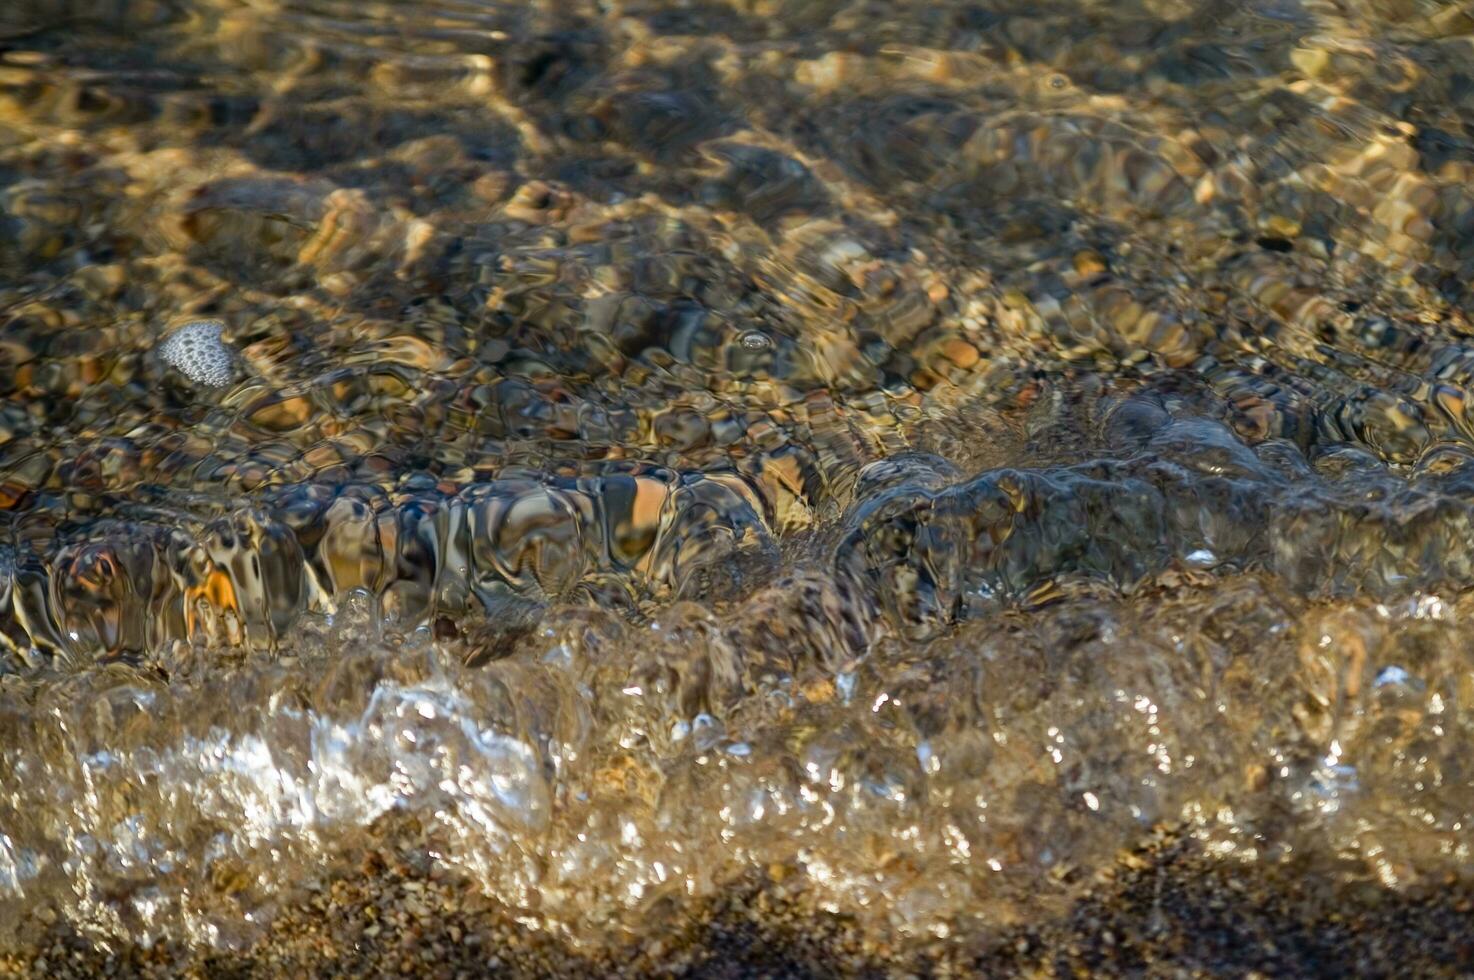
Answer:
(197, 351)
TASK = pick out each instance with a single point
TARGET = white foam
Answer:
(198, 352)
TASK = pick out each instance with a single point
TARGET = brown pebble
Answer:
(961, 353)
(1089, 263)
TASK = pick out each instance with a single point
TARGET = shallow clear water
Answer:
(919, 447)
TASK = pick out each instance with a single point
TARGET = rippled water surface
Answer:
(916, 448)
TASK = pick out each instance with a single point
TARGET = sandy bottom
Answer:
(1167, 909)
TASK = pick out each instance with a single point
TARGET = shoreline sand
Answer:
(1165, 910)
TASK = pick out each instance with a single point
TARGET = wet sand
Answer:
(1165, 910)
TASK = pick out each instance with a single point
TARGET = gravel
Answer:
(1165, 910)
